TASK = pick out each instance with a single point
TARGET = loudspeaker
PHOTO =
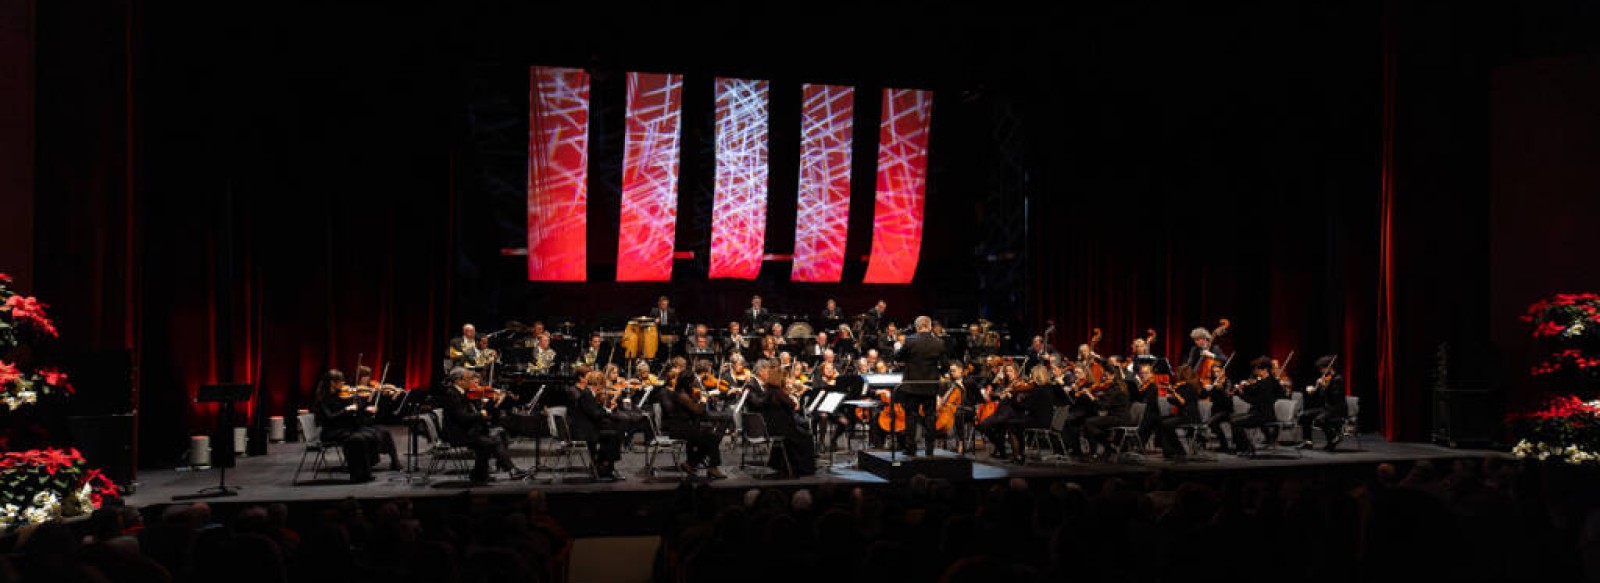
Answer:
(1463, 417)
(106, 442)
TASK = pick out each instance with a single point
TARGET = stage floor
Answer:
(269, 478)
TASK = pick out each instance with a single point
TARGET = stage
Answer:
(268, 478)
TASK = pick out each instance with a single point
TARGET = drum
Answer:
(652, 340)
(799, 330)
(641, 339)
(631, 339)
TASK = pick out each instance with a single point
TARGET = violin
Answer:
(483, 393)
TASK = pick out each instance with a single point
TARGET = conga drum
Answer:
(652, 339)
(631, 338)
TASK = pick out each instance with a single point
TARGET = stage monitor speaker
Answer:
(106, 442)
(1464, 417)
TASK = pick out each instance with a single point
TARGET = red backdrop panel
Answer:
(650, 177)
(739, 213)
(902, 181)
(558, 170)
(822, 218)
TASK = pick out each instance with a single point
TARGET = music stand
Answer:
(227, 394)
(538, 461)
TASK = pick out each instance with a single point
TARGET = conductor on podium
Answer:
(920, 352)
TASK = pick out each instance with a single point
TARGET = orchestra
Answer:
(808, 389)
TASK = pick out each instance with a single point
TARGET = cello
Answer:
(946, 407)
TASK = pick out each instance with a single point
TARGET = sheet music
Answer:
(829, 402)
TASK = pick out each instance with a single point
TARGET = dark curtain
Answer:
(252, 213)
(1218, 182)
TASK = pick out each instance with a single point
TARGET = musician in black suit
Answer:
(1261, 391)
(1329, 393)
(592, 424)
(832, 315)
(755, 318)
(666, 318)
(467, 425)
(872, 322)
(920, 353)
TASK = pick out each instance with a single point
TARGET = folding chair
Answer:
(440, 453)
(1125, 435)
(313, 445)
(753, 434)
(561, 435)
(661, 442)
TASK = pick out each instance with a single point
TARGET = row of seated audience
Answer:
(1468, 520)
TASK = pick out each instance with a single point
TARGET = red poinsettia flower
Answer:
(8, 373)
(28, 309)
(1549, 329)
(5, 278)
(56, 378)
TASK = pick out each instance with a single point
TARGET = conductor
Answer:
(920, 353)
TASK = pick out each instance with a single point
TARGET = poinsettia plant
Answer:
(40, 485)
(37, 485)
(1567, 429)
(1567, 330)
(23, 320)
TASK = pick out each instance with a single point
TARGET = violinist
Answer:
(1328, 394)
(770, 398)
(1217, 391)
(467, 424)
(1081, 406)
(1261, 391)
(369, 392)
(1115, 401)
(592, 424)
(683, 408)
(997, 427)
(339, 416)
(1181, 407)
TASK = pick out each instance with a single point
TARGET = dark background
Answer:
(259, 194)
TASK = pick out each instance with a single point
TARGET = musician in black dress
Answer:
(780, 412)
(683, 416)
(339, 417)
(467, 424)
(1261, 391)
